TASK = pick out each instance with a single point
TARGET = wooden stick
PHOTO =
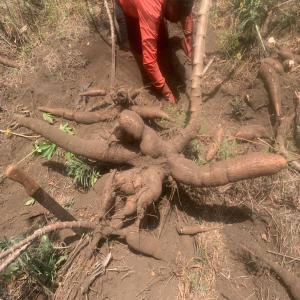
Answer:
(208, 66)
(45, 230)
(93, 93)
(194, 229)
(113, 46)
(8, 132)
(13, 257)
(284, 255)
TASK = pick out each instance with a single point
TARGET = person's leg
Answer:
(123, 32)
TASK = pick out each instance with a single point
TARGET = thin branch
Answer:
(13, 257)
(113, 46)
(45, 230)
(284, 255)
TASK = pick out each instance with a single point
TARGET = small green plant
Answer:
(83, 174)
(45, 149)
(230, 42)
(251, 14)
(195, 152)
(39, 263)
(48, 149)
(48, 118)
(228, 148)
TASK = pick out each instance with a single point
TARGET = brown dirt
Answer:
(209, 265)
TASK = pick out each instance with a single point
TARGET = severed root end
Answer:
(214, 147)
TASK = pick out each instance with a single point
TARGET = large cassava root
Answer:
(84, 117)
(150, 142)
(246, 166)
(98, 149)
(146, 188)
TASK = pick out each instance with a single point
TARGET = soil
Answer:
(209, 265)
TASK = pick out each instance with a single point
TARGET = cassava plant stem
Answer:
(191, 130)
(45, 230)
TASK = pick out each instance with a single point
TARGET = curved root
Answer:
(246, 166)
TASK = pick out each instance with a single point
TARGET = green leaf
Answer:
(83, 174)
(48, 118)
(66, 128)
(30, 202)
(46, 149)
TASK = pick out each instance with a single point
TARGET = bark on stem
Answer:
(190, 131)
(45, 230)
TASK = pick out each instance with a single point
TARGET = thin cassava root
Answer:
(150, 112)
(194, 229)
(93, 93)
(271, 80)
(290, 281)
(84, 117)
